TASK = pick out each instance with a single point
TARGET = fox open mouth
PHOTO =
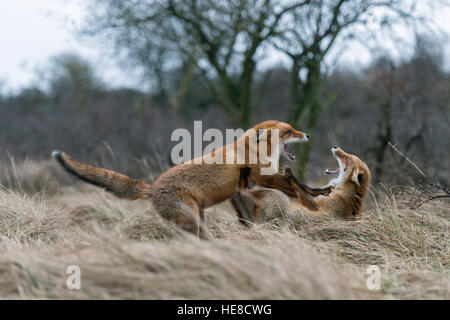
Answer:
(287, 154)
(331, 172)
(337, 171)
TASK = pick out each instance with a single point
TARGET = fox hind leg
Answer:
(185, 213)
(193, 223)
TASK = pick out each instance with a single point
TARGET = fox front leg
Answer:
(244, 174)
(274, 181)
(314, 192)
(246, 206)
(301, 195)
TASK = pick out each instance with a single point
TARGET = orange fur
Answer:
(346, 197)
(181, 193)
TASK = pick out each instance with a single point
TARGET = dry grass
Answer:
(126, 251)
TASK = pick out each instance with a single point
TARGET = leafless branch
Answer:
(407, 159)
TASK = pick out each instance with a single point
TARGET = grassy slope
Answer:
(125, 250)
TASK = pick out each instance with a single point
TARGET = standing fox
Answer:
(345, 199)
(182, 193)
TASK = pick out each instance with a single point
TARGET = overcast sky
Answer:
(33, 31)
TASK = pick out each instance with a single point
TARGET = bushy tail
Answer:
(120, 185)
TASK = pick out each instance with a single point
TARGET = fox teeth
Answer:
(329, 172)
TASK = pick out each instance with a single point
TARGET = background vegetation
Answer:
(207, 60)
(201, 61)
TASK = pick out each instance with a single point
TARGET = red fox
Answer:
(345, 198)
(182, 193)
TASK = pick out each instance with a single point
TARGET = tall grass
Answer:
(127, 251)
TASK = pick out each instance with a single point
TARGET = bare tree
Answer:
(309, 33)
(71, 73)
(222, 42)
(403, 98)
(219, 39)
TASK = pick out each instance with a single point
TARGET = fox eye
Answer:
(290, 131)
(346, 159)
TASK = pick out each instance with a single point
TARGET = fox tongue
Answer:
(329, 172)
(290, 156)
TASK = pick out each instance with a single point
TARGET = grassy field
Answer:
(126, 251)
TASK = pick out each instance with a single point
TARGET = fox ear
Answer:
(357, 177)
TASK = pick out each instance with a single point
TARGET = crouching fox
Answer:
(346, 194)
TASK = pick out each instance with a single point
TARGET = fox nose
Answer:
(308, 135)
(335, 147)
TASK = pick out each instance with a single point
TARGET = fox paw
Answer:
(288, 172)
(326, 191)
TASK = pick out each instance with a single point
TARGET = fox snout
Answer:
(301, 136)
(338, 152)
(305, 137)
